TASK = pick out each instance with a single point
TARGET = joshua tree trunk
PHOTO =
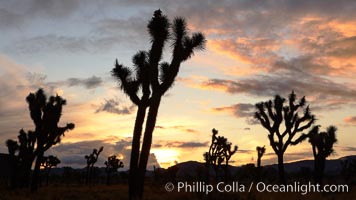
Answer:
(227, 172)
(36, 172)
(108, 178)
(147, 141)
(319, 167)
(135, 151)
(87, 176)
(47, 175)
(281, 174)
(259, 162)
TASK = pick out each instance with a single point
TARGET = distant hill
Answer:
(189, 168)
(331, 166)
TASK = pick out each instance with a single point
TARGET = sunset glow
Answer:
(253, 52)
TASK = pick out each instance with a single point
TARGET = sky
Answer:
(255, 50)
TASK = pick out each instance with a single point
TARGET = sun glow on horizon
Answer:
(166, 157)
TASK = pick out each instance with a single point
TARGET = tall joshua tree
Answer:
(112, 165)
(260, 152)
(91, 160)
(45, 113)
(148, 81)
(322, 144)
(283, 122)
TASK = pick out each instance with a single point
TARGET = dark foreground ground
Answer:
(153, 192)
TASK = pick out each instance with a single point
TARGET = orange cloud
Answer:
(350, 120)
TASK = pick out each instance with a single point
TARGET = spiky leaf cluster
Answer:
(46, 115)
(150, 75)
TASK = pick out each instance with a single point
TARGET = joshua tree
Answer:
(12, 148)
(112, 165)
(22, 156)
(260, 152)
(219, 151)
(148, 81)
(322, 145)
(283, 123)
(91, 160)
(45, 114)
(47, 163)
(227, 154)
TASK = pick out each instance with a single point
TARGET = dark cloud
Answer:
(270, 85)
(17, 14)
(245, 151)
(350, 149)
(240, 110)
(89, 83)
(113, 106)
(192, 144)
(37, 80)
(10, 19)
(72, 154)
(52, 8)
(179, 144)
(62, 44)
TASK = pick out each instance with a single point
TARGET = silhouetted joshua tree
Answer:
(112, 165)
(48, 163)
(153, 77)
(91, 160)
(283, 123)
(45, 114)
(260, 152)
(22, 156)
(13, 161)
(219, 151)
(322, 145)
(227, 154)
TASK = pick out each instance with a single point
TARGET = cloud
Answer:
(180, 128)
(179, 144)
(113, 106)
(350, 149)
(238, 110)
(269, 85)
(88, 83)
(61, 44)
(38, 80)
(350, 120)
(72, 154)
